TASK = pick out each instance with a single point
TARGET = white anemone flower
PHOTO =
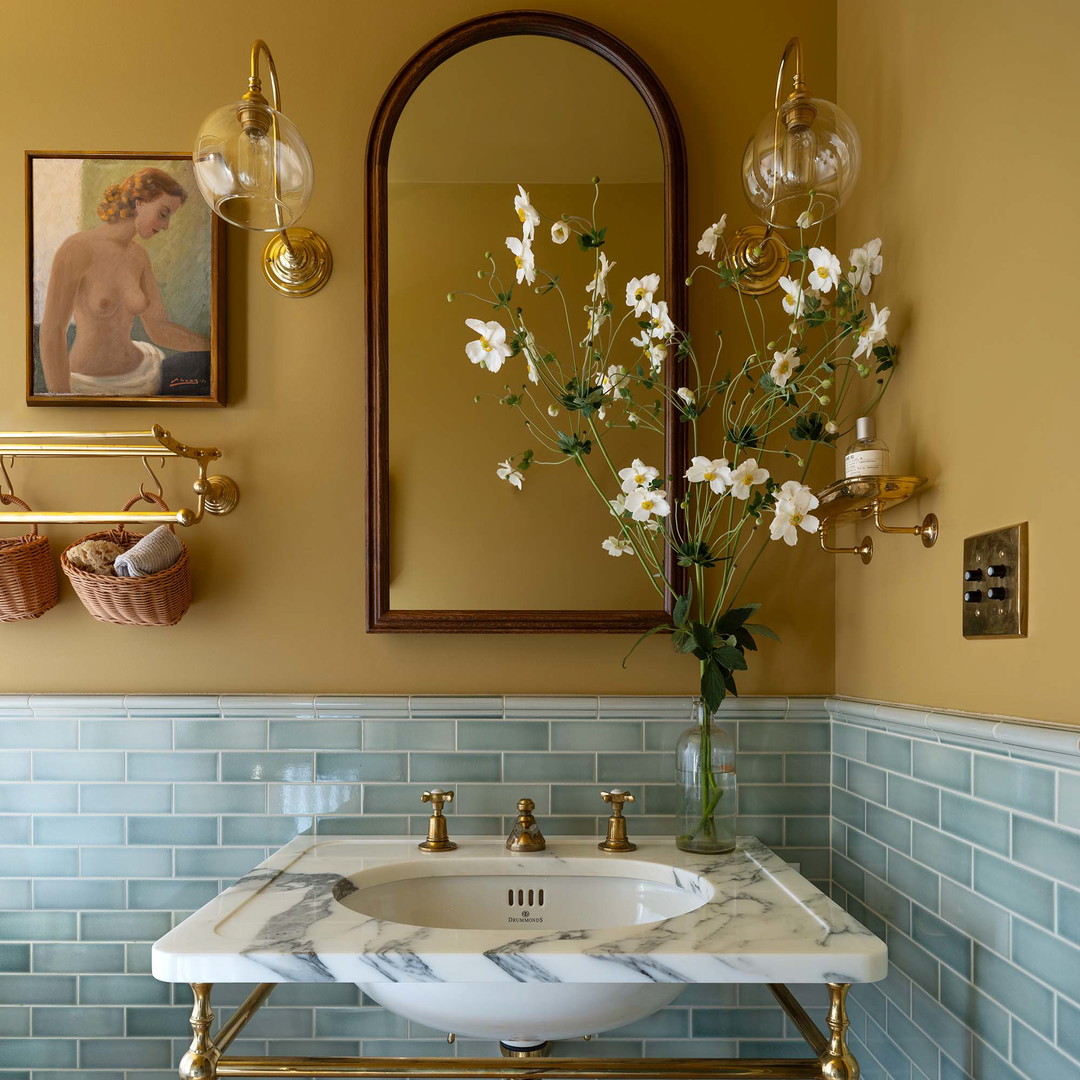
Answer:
(794, 297)
(644, 504)
(745, 476)
(686, 394)
(507, 472)
(597, 288)
(870, 335)
(639, 293)
(560, 232)
(865, 262)
(596, 319)
(714, 472)
(792, 512)
(784, 365)
(615, 379)
(617, 545)
(825, 272)
(638, 475)
(618, 505)
(526, 213)
(633, 419)
(523, 259)
(710, 237)
(805, 220)
(657, 356)
(490, 350)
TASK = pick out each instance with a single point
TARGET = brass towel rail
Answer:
(213, 494)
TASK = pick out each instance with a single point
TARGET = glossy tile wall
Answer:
(119, 815)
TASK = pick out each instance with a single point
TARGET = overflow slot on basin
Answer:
(525, 898)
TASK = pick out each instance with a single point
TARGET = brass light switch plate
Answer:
(995, 583)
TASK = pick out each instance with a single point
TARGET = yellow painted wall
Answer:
(280, 583)
(970, 155)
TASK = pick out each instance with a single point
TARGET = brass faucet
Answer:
(616, 824)
(526, 834)
(437, 839)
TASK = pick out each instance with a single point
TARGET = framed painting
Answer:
(124, 282)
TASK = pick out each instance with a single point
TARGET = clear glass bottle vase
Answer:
(705, 774)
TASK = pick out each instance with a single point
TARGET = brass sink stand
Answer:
(832, 1061)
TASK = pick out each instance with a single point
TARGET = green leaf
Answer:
(735, 617)
(713, 686)
(745, 436)
(745, 639)
(696, 553)
(682, 608)
(762, 631)
(647, 634)
(572, 446)
(683, 641)
(730, 657)
(703, 636)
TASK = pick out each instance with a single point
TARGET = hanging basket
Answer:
(28, 585)
(155, 600)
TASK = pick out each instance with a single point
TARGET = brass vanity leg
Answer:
(200, 1062)
(837, 1062)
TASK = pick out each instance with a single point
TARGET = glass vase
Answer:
(705, 773)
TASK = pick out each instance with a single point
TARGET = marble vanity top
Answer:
(285, 921)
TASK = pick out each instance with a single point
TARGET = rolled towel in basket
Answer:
(155, 552)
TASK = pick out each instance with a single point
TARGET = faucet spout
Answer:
(526, 834)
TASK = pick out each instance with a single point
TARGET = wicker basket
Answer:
(28, 586)
(156, 600)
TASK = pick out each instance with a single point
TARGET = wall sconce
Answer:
(798, 169)
(254, 169)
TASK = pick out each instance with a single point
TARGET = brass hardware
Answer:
(451, 1038)
(437, 839)
(297, 262)
(153, 476)
(865, 550)
(526, 834)
(1002, 557)
(927, 531)
(213, 494)
(837, 1062)
(200, 1061)
(244, 1012)
(616, 824)
(542, 1049)
(761, 255)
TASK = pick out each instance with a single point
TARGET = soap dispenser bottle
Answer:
(867, 455)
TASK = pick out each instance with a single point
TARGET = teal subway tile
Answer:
(913, 960)
(913, 880)
(39, 798)
(610, 735)
(885, 901)
(78, 765)
(37, 990)
(125, 734)
(14, 1021)
(313, 798)
(280, 1023)
(14, 829)
(939, 939)
(224, 862)
(220, 734)
(895, 987)
(123, 990)
(263, 830)
(915, 799)
(665, 1024)
(941, 852)
(85, 829)
(672, 1048)
(170, 894)
(579, 799)
(663, 734)
(124, 862)
(892, 752)
(560, 826)
(165, 1020)
(39, 734)
(1050, 849)
(849, 741)
(772, 1048)
(38, 926)
(77, 959)
(473, 825)
(126, 798)
(172, 766)
(125, 1054)
(400, 799)
(555, 707)
(948, 1033)
(173, 830)
(849, 808)
(759, 768)
(295, 707)
(655, 799)
(975, 821)
(868, 853)
(942, 765)
(312, 994)
(14, 765)
(1019, 786)
(806, 832)
(1039, 1058)
(717, 994)
(839, 771)
(79, 894)
(600, 1048)
(810, 799)
(409, 735)
(1068, 1027)
(978, 918)
(98, 1020)
(1068, 914)
(359, 766)
(331, 1048)
(502, 735)
(38, 1053)
(1047, 957)
(264, 765)
(427, 706)
(220, 799)
(503, 798)
(315, 735)
(768, 829)
(15, 957)
(1011, 987)
(16, 894)
(39, 862)
(359, 1024)
(1068, 812)
(362, 707)
(451, 768)
(123, 925)
(625, 769)
(783, 736)
(813, 863)
(889, 828)
(912, 1040)
(172, 705)
(987, 1065)
(138, 957)
(806, 768)
(79, 705)
(1015, 888)
(867, 781)
(642, 707)
(548, 767)
(369, 825)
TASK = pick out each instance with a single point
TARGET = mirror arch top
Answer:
(381, 616)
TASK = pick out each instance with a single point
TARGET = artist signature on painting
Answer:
(183, 382)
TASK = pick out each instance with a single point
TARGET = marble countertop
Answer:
(285, 922)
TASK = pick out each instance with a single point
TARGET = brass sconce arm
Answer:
(865, 550)
(927, 531)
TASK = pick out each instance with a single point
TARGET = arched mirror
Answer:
(547, 101)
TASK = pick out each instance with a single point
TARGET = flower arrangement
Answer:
(775, 406)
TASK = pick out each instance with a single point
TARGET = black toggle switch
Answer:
(997, 594)
(973, 575)
(973, 596)
(1000, 570)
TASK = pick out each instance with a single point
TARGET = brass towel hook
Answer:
(10, 494)
(153, 476)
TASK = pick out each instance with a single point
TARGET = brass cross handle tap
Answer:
(616, 824)
(526, 834)
(437, 839)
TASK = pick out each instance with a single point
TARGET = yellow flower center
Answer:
(646, 504)
(521, 214)
(796, 518)
(785, 367)
(639, 479)
(517, 260)
(747, 481)
(822, 272)
(639, 294)
(709, 476)
(486, 344)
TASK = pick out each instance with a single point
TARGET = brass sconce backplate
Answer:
(762, 255)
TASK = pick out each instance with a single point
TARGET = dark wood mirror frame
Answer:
(381, 617)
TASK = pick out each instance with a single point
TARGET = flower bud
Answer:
(826, 383)
(552, 410)
(595, 180)
(824, 399)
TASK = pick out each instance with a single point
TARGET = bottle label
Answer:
(865, 463)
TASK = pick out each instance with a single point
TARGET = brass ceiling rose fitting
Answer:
(762, 254)
(300, 267)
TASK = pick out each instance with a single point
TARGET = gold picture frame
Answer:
(124, 282)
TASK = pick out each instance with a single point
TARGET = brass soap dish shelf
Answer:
(213, 494)
(859, 497)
